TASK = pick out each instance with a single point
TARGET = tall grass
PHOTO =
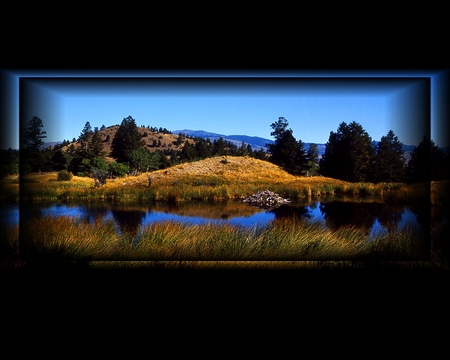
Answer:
(67, 238)
(185, 186)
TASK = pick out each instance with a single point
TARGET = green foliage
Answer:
(427, 162)
(287, 152)
(118, 169)
(32, 158)
(60, 160)
(348, 154)
(10, 162)
(188, 153)
(33, 134)
(95, 146)
(389, 163)
(219, 147)
(99, 176)
(180, 139)
(99, 163)
(64, 175)
(142, 160)
(86, 133)
(312, 157)
(126, 139)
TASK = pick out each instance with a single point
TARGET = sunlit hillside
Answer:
(154, 140)
(227, 170)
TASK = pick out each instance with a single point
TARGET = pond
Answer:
(373, 217)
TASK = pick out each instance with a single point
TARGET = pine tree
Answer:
(426, 162)
(33, 134)
(389, 163)
(286, 151)
(348, 154)
(31, 154)
(188, 152)
(95, 146)
(85, 136)
(126, 139)
(313, 159)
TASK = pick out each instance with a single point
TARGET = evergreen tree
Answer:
(9, 163)
(164, 161)
(313, 159)
(286, 151)
(60, 160)
(242, 151)
(188, 152)
(95, 146)
(143, 160)
(348, 154)
(300, 161)
(202, 148)
(389, 163)
(427, 162)
(33, 134)
(260, 154)
(126, 139)
(85, 136)
(180, 139)
(219, 147)
(32, 156)
(250, 150)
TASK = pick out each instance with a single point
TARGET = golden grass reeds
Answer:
(208, 179)
(68, 238)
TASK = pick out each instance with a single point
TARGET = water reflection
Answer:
(129, 219)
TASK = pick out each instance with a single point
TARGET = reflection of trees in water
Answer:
(208, 209)
(128, 221)
(92, 213)
(291, 211)
(389, 216)
(338, 214)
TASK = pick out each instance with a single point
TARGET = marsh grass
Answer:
(73, 239)
(179, 245)
(208, 179)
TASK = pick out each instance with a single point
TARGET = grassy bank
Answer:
(55, 239)
(217, 178)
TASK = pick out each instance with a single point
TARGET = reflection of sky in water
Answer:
(261, 219)
(63, 210)
(10, 215)
(314, 213)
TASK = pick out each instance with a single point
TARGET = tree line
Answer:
(85, 155)
(350, 154)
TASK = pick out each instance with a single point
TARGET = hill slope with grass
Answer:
(153, 140)
(217, 178)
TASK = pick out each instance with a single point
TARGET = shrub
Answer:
(64, 175)
(99, 176)
(118, 169)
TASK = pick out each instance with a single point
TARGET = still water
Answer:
(373, 217)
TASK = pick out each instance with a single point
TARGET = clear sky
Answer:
(230, 104)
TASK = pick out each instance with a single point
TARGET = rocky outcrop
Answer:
(265, 199)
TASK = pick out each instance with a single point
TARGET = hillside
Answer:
(255, 142)
(169, 141)
(151, 138)
(239, 167)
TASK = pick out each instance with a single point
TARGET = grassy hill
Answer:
(168, 141)
(217, 178)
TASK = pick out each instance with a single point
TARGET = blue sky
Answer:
(244, 104)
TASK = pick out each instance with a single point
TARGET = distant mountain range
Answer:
(258, 142)
(255, 142)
